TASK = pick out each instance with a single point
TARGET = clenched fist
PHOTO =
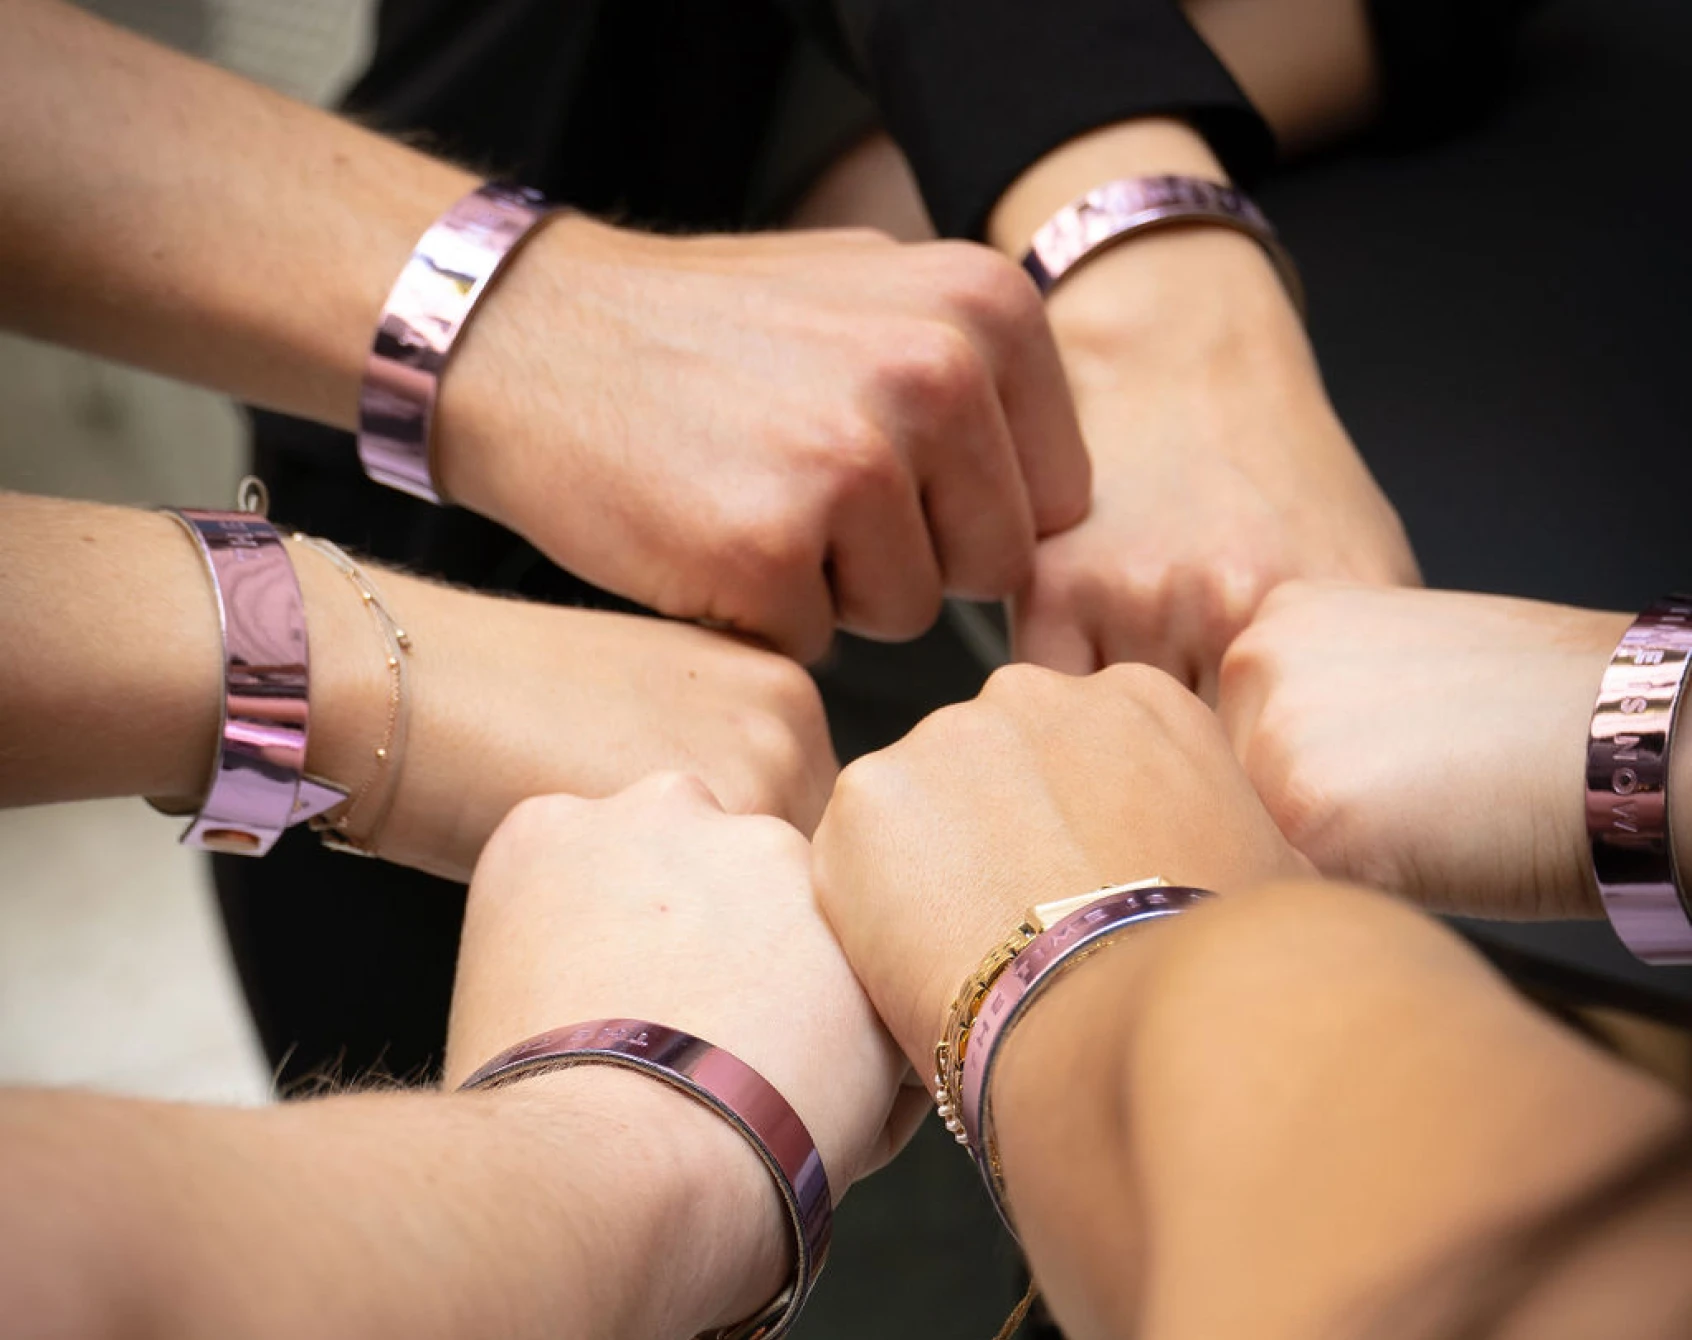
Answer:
(1428, 742)
(1045, 786)
(781, 433)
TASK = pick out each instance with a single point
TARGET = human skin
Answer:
(587, 1202)
(1432, 742)
(780, 434)
(1298, 1109)
(113, 685)
(1219, 465)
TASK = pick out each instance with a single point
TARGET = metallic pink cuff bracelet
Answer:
(1627, 767)
(455, 261)
(735, 1092)
(1120, 209)
(1021, 984)
(258, 783)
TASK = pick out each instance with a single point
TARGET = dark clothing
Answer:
(975, 93)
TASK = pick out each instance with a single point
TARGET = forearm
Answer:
(587, 1203)
(1308, 66)
(1304, 1097)
(112, 678)
(160, 211)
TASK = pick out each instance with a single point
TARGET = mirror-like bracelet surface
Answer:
(734, 1091)
(1104, 918)
(1627, 791)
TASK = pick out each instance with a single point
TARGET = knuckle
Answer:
(1236, 592)
(671, 789)
(938, 368)
(862, 461)
(1020, 682)
(862, 235)
(770, 548)
(978, 273)
(775, 759)
(1132, 683)
(858, 789)
(530, 831)
(1244, 664)
(789, 692)
(895, 615)
(534, 818)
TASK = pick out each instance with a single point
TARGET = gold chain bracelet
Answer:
(334, 827)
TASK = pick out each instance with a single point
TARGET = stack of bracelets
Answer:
(259, 786)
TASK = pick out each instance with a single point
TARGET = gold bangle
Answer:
(955, 1028)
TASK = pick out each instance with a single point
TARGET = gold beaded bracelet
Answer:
(953, 1046)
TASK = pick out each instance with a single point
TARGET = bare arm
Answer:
(610, 402)
(1430, 1110)
(158, 210)
(1309, 66)
(588, 1203)
(111, 684)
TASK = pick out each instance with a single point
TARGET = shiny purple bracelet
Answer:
(1627, 799)
(258, 783)
(455, 261)
(735, 1092)
(1078, 935)
(1119, 210)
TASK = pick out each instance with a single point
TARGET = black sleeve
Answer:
(976, 91)
(1442, 61)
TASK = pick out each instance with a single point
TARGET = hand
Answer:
(1043, 787)
(1220, 468)
(657, 905)
(775, 433)
(1427, 742)
(510, 700)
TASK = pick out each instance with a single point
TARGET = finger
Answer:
(671, 791)
(1045, 633)
(973, 493)
(882, 566)
(793, 612)
(1038, 410)
(1242, 693)
(1209, 609)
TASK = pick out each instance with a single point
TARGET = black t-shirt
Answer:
(668, 110)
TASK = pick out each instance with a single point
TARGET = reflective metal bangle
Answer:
(735, 1092)
(455, 261)
(1070, 940)
(1627, 788)
(1122, 209)
(258, 784)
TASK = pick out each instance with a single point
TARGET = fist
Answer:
(1043, 787)
(1427, 742)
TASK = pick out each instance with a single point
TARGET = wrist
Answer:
(1198, 299)
(480, 449)
(349, 685)
(687, 1194)
(186, 710)
(989, 925)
